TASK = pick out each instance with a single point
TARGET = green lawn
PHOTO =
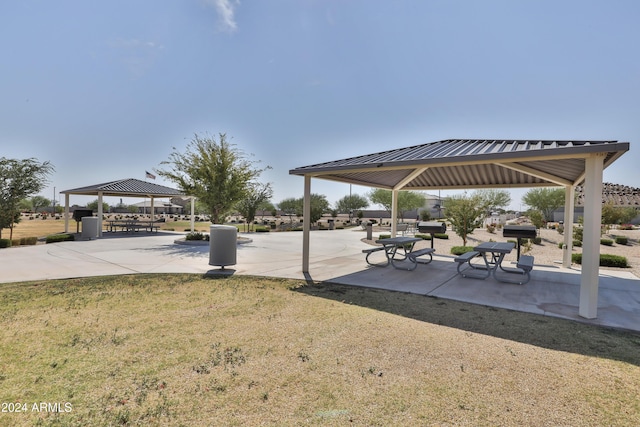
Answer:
(182, 350)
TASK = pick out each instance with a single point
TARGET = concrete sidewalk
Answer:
(335, 257)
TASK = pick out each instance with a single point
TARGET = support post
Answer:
(193, 215)
(589, 279)
(66, 213)
(394, 212)
(99, 213)
(306, 225)
(569, 206)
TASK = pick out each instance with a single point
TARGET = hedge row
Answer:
(55, 238)
(606, 260)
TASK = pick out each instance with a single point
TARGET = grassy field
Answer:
(181, 350)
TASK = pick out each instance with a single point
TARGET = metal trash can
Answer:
(90, 227)
(223, 245)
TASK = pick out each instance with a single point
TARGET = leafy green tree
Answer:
(25, 205)
(627, 214)
(290, 207)
(536, 217)
(267, 206)
(319, 205)
(545, 200)
(258, 194)
(38, 202)
(492, 199)
(19, 179)
(216, 172)
(351, 203)
(94, 206)
(407, 200)
(465, 214)
(610, 214)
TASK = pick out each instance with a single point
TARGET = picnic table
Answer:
(398, 249)
(131, 225)
(493, 254)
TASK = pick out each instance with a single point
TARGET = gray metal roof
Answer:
(470, 163)
(130, 187)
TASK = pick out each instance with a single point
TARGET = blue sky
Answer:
(104, 90)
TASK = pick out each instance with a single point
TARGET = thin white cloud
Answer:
(226, 13)
(138, 56)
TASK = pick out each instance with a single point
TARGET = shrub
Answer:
(606, 260)
(491, 228)
(24, 241)
(536, 240)
(622, 240)
(5, 243)
(55, 238)
(606, 242)
(261, 229)
(424, 236)
(196, 235)
(444, 236)
(459, 250)
(384, 236)
(577, 243)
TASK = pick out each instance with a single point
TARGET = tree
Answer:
(258, 194)
(407, 200)
(267, 206)
(610, 214)
(351, 203)
(493, 199)
(216, 172)
(465, 214)
(319, 205)
(627, 214)
(291, 207)
(38, 202)
(536, 217)
(546, 200)
(94, 206)
(19, 179)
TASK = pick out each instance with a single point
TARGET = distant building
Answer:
(159, 207)
(619, 195)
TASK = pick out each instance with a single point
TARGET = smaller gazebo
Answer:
(130, 187)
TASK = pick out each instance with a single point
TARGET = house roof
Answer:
(470, 163)
(130, 187)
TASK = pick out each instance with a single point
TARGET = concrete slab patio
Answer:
(335, 257)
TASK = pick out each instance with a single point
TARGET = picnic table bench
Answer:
(524, 265)
(493, 265)
(398, 249)
(132, 226)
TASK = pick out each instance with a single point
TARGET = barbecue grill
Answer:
(432, 228)
(78, 214)
(520, 232)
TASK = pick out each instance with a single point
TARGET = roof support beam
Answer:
(413, 175)
(539, 174)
